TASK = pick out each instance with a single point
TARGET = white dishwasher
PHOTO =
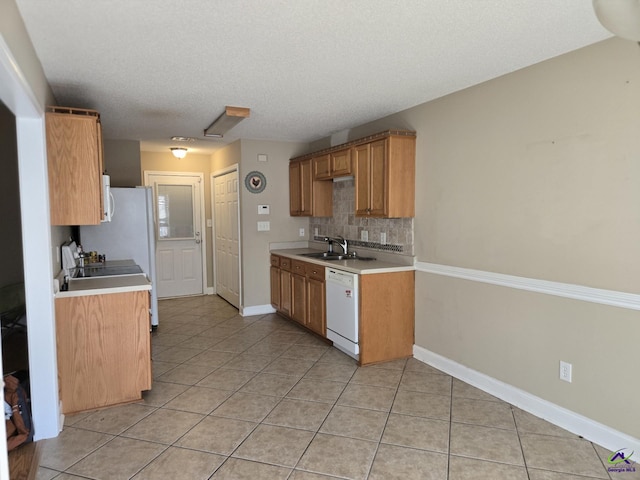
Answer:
(342, 310)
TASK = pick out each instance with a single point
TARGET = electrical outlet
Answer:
(565, 371)
(315, 232)
(383, 238)
(364, 236)
(301, 232)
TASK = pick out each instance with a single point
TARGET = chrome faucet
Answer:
(339, 240)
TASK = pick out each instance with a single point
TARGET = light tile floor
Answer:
(260, 398)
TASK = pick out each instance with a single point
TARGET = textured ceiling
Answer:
(306, 68)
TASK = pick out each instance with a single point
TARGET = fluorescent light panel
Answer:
(225, 122)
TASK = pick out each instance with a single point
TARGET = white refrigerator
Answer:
(131, 234)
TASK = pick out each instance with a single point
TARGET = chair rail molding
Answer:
(577, 292)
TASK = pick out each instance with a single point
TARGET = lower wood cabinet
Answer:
(298, 292)
(104, 349)
(317, 319)
(387, 316)
(387, 306)
(299, 298)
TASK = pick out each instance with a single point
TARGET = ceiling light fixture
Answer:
(183, 139)
(179, 152)
(620, 17)
(225, 122)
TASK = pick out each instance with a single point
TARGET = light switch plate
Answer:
(262, 157)
(264, 226)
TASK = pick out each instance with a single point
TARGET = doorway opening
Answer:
(15, 350)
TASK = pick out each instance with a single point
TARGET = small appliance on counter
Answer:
(69, 251)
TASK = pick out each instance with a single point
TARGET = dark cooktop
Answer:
(106, 271)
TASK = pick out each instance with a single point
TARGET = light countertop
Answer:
(362, 267)
(104, 285)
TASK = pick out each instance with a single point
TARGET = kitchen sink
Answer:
(335, 256)
(324, 255)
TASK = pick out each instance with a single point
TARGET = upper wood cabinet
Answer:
(383, 166)
(385, 177)
(321, 167)
(331, 165)
(74, 157)
(308, 197)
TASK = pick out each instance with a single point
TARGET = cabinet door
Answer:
(321, 167)
(341, 163)
(362, 179)
(299, 298)
(275, 287)
(306, 183)
(285, 292)
(74, 158)
(295, 194)
(316, 319)
(378, 196)
(300, 188)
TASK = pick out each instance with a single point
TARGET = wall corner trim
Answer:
(577, 292)
(591, 430)
(259, 310)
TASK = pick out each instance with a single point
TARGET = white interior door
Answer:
(179, 259)
(227, 243)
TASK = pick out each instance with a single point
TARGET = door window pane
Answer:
(175, 211)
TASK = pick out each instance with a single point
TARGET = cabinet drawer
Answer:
(285, 264)
(275, 261)
(315, 271)
(298, 267)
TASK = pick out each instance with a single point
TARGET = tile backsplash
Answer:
(399, 231)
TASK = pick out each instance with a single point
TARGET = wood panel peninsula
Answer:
(103, 341)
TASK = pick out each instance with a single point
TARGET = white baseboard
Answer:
(256, 310)
(593, 431)
(210, 291)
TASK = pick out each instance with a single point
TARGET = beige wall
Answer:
(14, 34)
(255, 245)
(166, 162)
(535, 174)
(122, 162)
(226, 157)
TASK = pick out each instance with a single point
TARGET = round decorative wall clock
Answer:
(255, 182)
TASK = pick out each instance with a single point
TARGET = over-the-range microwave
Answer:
(108, 204)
